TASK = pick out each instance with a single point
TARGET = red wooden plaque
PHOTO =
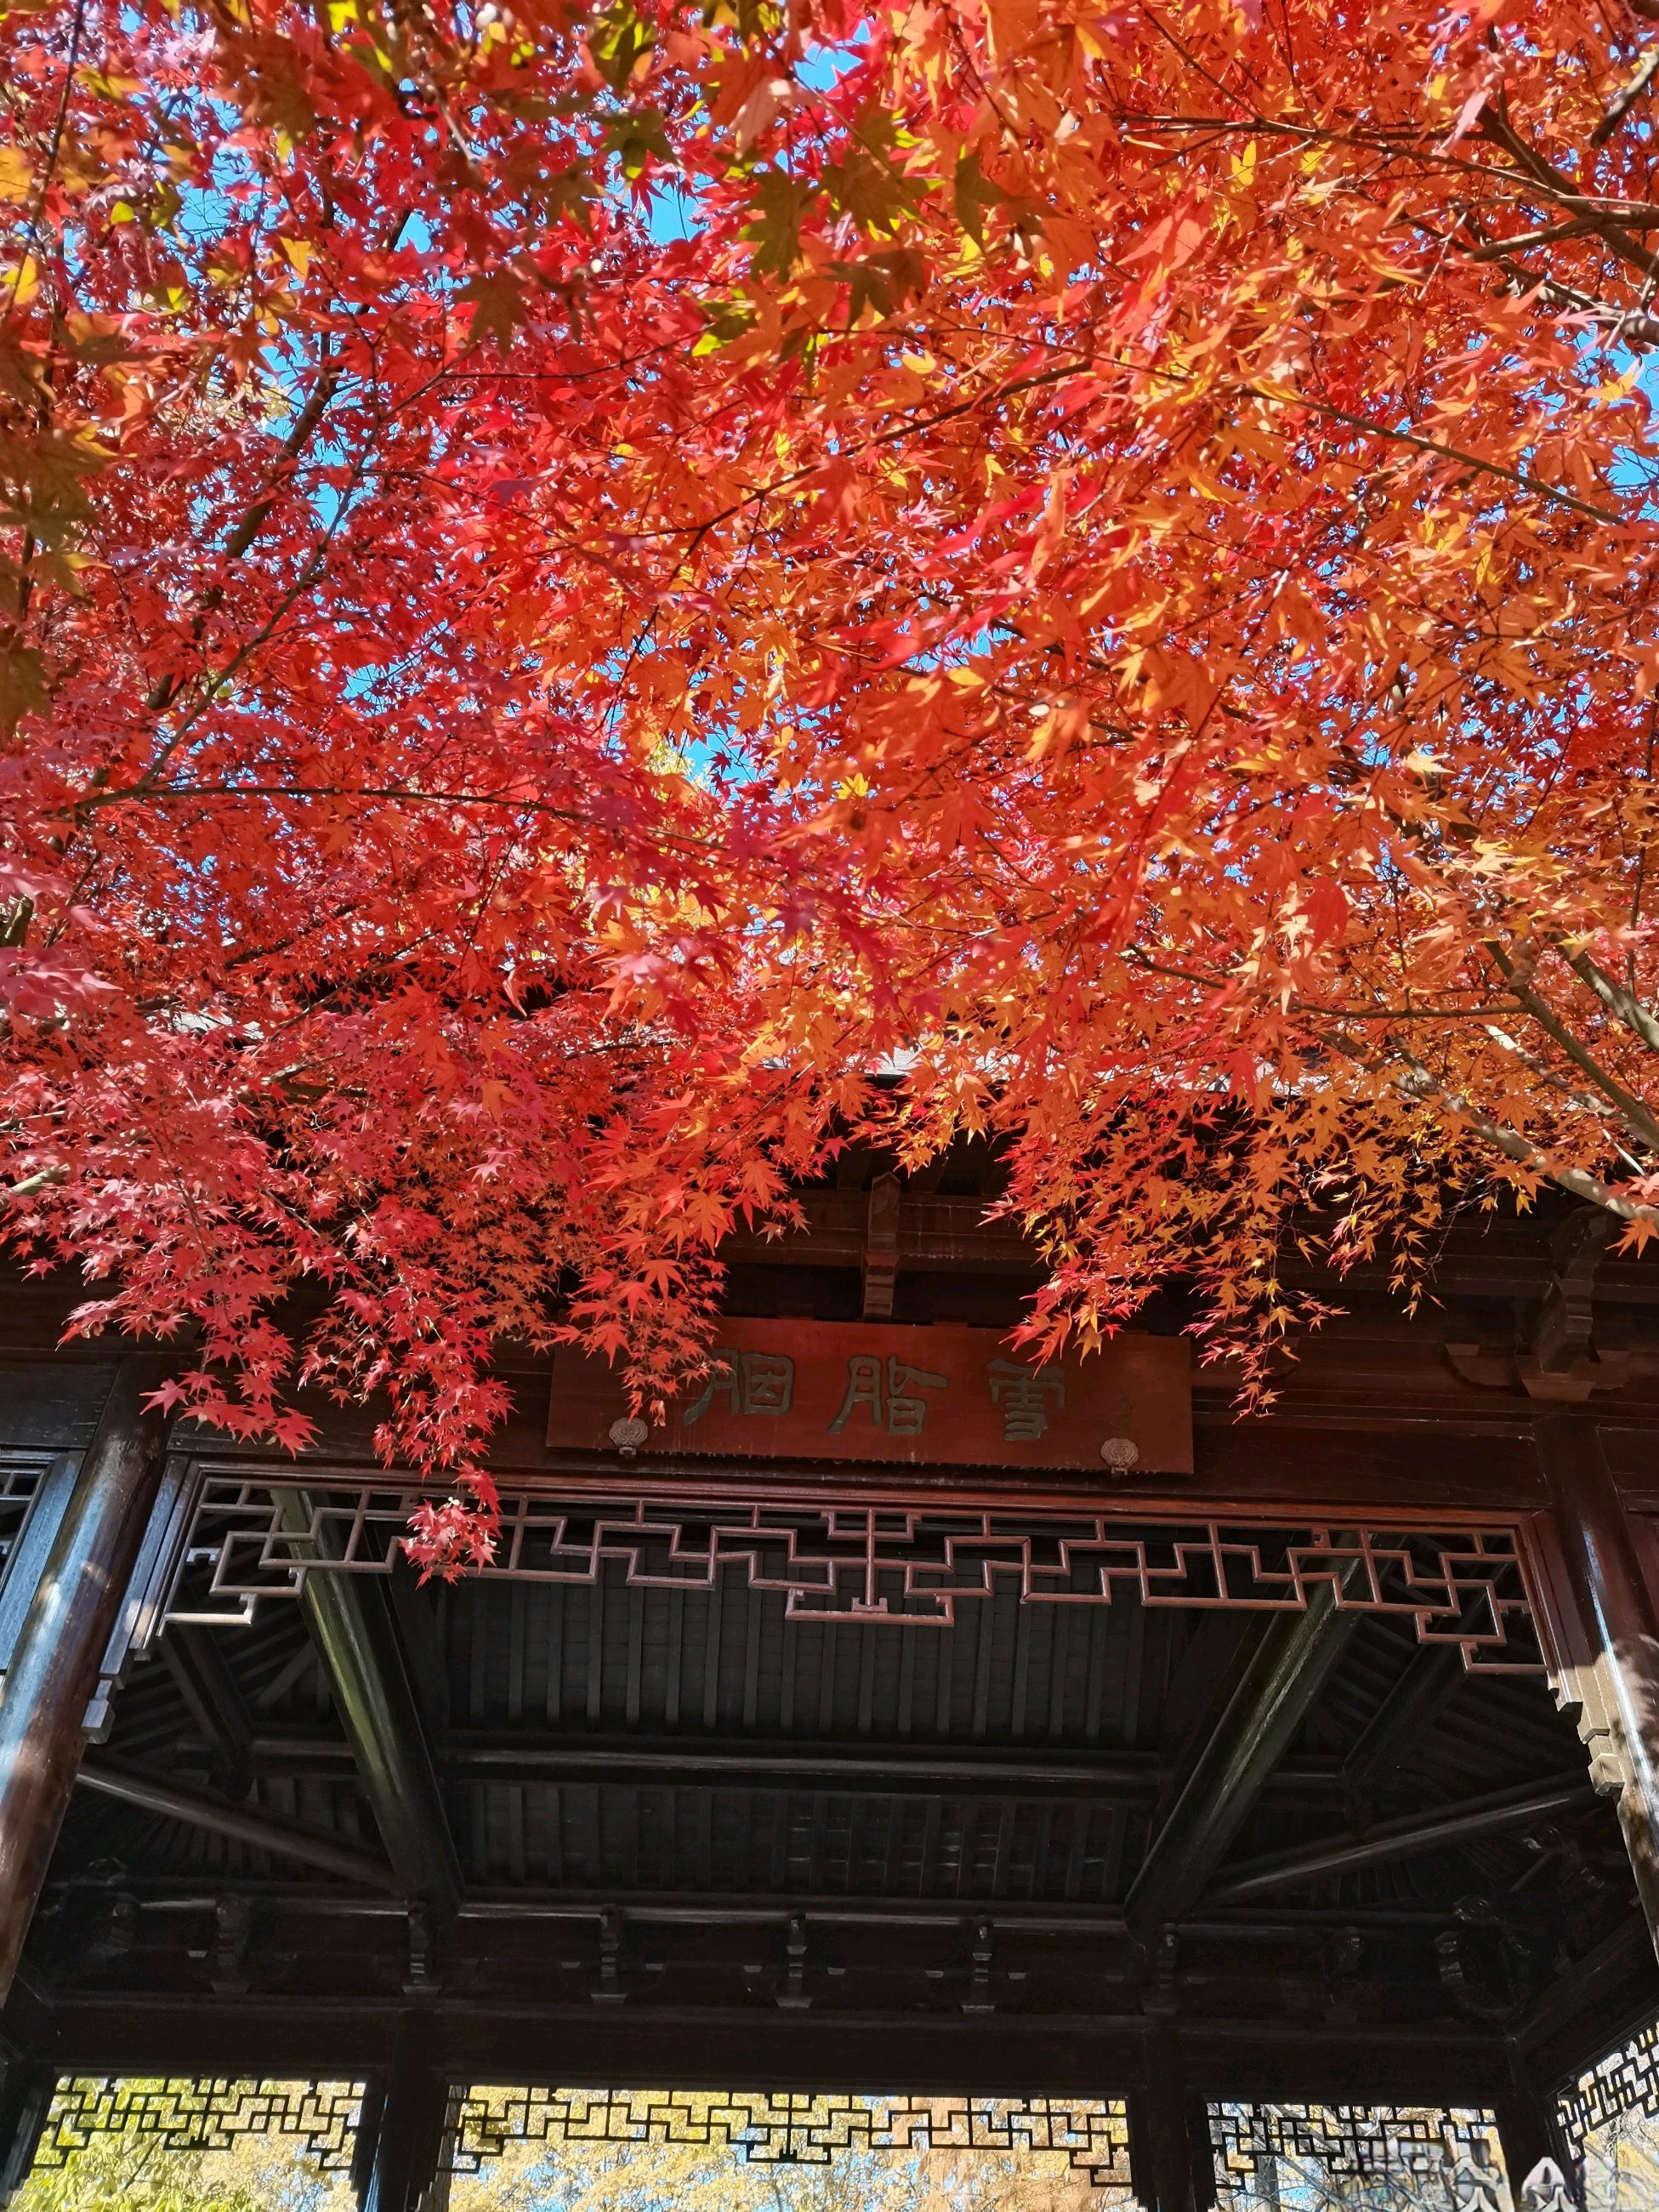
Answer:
(851, 1390)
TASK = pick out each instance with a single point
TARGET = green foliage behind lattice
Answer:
(129, 2172)
(1621, 2164)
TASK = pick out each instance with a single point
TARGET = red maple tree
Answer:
(578, 583)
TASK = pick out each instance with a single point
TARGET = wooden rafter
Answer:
(350, 1622)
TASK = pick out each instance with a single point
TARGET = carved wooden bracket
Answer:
(1557, 1364)
(232, 1933)
(792, 1994)
(609, 1989)
(1587, 1374)
(981, 1957)
(1586, 1693)
(881, 1247)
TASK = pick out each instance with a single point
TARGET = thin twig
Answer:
(1622, 102)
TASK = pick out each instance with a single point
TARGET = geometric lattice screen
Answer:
(247, 1541)
(1372, 2158)
(784, 2129)
(193, 2113)
(1609, 2121)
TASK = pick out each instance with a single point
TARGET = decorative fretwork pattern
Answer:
(796, 2130)
(193, 2114)
(1624, 2083)
(856, 1561)
(1374, 2158)
(20, 1482)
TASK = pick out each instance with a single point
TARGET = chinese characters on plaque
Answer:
(750, 1383)
(889, 1391)
(850, 1391)
(894, 1389)
(1023, 1393)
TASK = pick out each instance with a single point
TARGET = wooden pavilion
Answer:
(1041, 1752)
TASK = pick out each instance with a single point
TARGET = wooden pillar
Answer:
(1609, 1675)
(1526, 2127)
(401, 2173)
(26, 2090)
(1171, 2161)
(54, 1666)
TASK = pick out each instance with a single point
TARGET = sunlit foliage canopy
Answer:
(577, 583)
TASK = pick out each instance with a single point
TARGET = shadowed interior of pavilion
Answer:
(610, 1830)
(691, 1800)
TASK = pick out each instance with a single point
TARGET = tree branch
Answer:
(1616, 998)
(163, 693)
(30, 1184)
(1418, 1084)
(1522, 478)
(1607, 226)
(1622, 102)
(1633, 1111)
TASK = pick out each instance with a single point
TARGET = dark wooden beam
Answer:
(934, 1236)
(1257, 1717)
(521, 1756)
(1603, 1998)
(1088, 2052)
(54, 1664)
(1119, 1778)
(1210, 1656)
(531, 1756)
(515, 1909)
(952, 1236)
(415, 1610)
(285, 1839)
(1432, 1678)
(210, 1692)
(1406, 1839)
(351, 1622)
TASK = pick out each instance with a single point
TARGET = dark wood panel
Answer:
(54, 1404)
(1088, 2053)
